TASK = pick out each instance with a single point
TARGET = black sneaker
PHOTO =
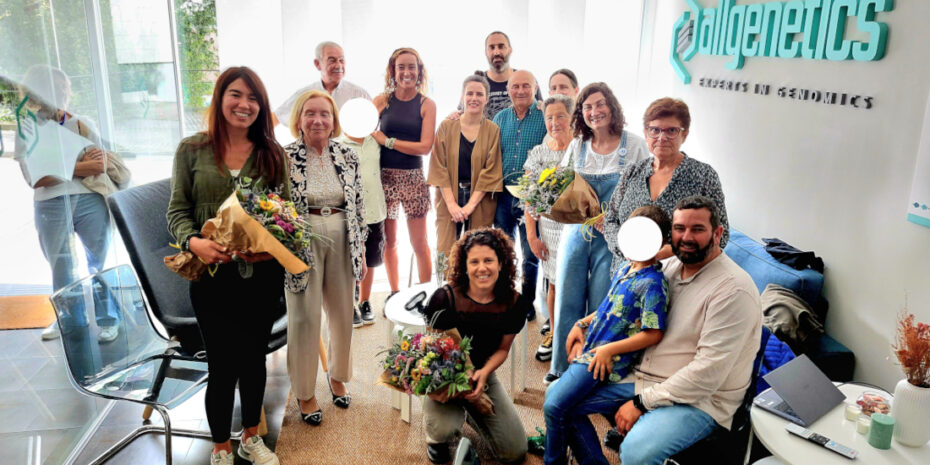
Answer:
(438, 453)
(368, 317)
(357, 319)
(531, 314)
(550, 378)
(544, 352)
(546, 327)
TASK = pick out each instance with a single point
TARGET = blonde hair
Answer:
(294, 124)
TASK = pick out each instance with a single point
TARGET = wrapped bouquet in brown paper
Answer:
(433, 364)
(255, 222)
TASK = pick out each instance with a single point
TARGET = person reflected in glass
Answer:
(231, 306)
(543, 233)
(465, 167)
(481, 302)
(327, 190)
(408, 124)
(64, 208)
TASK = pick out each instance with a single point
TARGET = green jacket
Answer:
(198, 188)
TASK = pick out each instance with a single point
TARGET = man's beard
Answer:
(499, 67)
(690, 258)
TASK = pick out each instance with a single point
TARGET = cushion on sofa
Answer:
(764, 269)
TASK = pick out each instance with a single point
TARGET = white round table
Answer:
(770, 429)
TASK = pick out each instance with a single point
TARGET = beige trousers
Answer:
(330, 287)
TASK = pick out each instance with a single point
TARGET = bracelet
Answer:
(582, 324)
(638, 403)
(389, 142)
(187, 242)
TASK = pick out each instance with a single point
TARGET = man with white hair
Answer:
(331, 62)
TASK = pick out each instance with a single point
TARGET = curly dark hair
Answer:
(504, 288)
(617, 121)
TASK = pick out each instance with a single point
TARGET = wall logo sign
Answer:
(813, 29)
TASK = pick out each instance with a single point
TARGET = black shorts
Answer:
(374, 245)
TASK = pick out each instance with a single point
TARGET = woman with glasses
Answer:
(664, 178)
(466, 167)
(600, 151)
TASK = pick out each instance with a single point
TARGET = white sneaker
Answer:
(254, 450)
(108, 333)
(51, 332)
(222, 458)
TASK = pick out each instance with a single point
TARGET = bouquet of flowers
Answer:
(433, 364)
(912, 347)
(253, 221)
(541, 190)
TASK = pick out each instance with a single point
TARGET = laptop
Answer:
(800, 392)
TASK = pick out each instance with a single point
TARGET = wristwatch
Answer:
(389, 142)
(582, 324)
(638, 403)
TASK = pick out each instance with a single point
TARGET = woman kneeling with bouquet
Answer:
(480, 301)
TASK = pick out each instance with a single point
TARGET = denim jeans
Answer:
(561, 397)
(583, 275)
(507, 217)
(657, 435)
(56, 221)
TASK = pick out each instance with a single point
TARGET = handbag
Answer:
(578, 201)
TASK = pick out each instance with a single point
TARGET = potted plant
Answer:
(911, 407)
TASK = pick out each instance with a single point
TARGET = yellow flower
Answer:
(265, 205)
(545, 174)
(415, 374)
(404, 345)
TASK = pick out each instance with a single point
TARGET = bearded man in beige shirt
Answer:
(692, 382)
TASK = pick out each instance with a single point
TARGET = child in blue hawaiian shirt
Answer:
(610, 340)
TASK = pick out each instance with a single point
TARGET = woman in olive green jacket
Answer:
(233, 306)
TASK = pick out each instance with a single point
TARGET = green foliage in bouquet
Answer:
(541, 190)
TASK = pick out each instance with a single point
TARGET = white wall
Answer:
(595, 38)
(831, 179)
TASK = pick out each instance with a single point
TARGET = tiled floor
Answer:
(42, 416)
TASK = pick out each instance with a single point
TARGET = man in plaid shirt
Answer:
(522, 128)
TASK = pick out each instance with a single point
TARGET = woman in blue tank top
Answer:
(408, 122)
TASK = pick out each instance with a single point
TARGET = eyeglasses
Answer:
(653, 132)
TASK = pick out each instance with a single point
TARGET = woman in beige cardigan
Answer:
(466, 167)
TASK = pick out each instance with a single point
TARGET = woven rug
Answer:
(25, 312)
(371, 432)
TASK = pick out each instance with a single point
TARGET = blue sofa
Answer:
(837, 361)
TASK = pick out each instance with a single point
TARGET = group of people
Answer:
(666, 349)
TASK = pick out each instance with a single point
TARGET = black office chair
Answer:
(140, 365)
(722, 446)
(139, 214)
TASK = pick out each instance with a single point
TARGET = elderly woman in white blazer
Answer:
(326, 188)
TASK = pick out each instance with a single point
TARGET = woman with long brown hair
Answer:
(408, 122)
(231, 305)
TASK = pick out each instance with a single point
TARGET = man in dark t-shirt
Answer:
(497, 50)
